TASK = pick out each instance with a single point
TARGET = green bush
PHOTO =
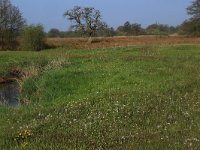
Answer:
(33, 38)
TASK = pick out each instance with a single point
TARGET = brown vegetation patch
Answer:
(104, 42)
(12, 76)
(16, 73)
(4, 80)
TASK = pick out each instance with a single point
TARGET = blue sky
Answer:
(114, 12)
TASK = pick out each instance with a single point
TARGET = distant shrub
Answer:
(33, 38)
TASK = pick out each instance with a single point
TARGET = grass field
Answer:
(137, 97)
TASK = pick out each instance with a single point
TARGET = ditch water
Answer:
(9, 94)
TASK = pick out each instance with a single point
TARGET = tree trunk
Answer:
(89, 40)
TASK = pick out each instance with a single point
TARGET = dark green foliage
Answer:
(192, 26)
(194, 10)
(135, 29)
(160, 29)
(33, 38)
(54, 33)
(130, 29)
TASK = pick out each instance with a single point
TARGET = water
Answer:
(9, 94)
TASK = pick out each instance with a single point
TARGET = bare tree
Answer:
(11, 23)
(87, 20)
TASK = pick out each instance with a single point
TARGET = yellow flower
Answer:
(25, 144)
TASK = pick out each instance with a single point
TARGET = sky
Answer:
(49, 13)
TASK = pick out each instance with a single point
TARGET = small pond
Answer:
(9, 94)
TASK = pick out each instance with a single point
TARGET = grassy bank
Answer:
(144, 97)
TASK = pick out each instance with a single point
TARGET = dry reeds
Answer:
(121, 41)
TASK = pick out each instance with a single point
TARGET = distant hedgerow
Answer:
(33, 38)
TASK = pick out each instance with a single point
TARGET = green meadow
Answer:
(141, 97)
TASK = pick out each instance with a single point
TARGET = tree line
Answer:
(127, 29)
(87, 21)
